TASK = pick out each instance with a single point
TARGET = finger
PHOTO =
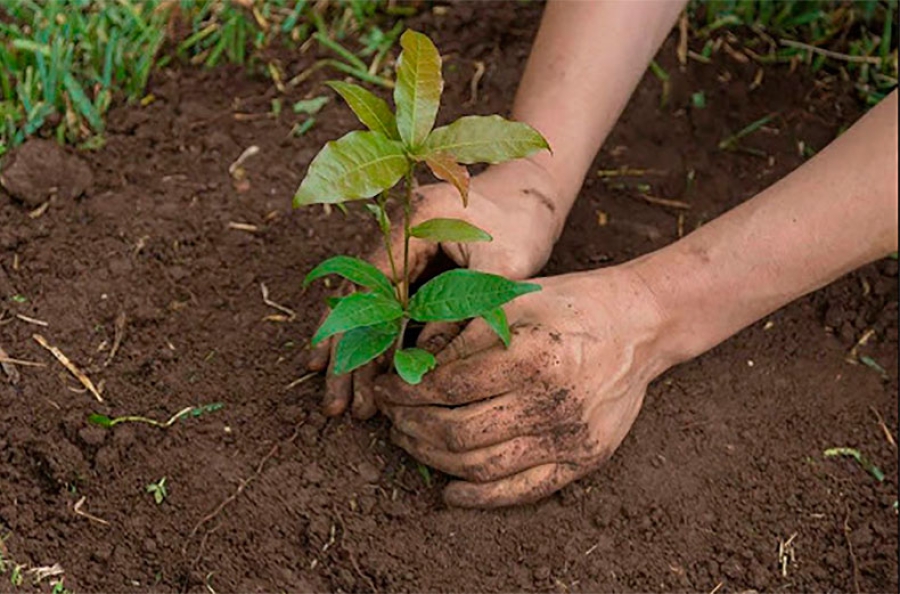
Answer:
(480, 377)
(437, 335)
(338, 391)
(525, 487)
(363, 407)
(481, 424)
(476, 337)
(321, 353)
(483, 465)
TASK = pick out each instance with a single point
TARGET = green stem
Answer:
(407, 213)
(386, 237)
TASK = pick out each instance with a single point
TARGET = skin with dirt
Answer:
(723, 464)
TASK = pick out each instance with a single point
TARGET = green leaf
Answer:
(356, 310)
(461, 294)
(358, 165)
(857, 455)
(413, 364)
(371, 110)
(485, 139)
(354, 270)
(496, 319)
(445, 167)
(310, 106)
(417, 94)
(449, 230)
(361, 345)
(381, 215)
(81, 101)
(102, 420)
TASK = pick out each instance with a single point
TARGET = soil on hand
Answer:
(722, 468)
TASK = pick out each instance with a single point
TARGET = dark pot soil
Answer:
(724, 463)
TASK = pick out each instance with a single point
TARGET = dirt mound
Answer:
(39, 169)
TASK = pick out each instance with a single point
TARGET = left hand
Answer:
(518, 424)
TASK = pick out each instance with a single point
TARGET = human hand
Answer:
(518, 424)
(514, 202)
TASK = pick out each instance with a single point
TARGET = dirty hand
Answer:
(518, 424)
(514, 202)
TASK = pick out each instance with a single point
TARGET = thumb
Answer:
(476, 337)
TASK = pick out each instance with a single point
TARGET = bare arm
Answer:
(833, 214)
(586, 62)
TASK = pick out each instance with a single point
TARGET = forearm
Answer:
(836, 213)
(586, 62)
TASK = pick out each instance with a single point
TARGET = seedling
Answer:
(364, 165)
(158, 490)
(860, 459)
(192, 411)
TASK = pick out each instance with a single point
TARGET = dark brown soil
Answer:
(723, 464)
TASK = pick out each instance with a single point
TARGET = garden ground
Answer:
(721, 485)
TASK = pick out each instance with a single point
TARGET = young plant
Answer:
(158, 490)
(364, 165)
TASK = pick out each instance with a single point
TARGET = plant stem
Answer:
(407, 213)
(386, 236)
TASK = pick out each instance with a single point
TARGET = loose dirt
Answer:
(723, 465)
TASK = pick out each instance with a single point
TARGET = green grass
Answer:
(860, 36)
(64, 62)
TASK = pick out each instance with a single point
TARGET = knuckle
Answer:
(457, 439)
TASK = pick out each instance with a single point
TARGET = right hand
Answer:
(516, 202)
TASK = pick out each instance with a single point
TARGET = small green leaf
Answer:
(310, 106)
(444, 167)
(698, 99)
(461, 294)
(81, 102)
(371, 110)
(413, 364)
(358, 165)
(354, 270)
(417, 94)
(102, 420)
(857, 455)
(496, 319)
(356, 310)
(449, 230)
(485, 139)
(361, 345)
(381, 215)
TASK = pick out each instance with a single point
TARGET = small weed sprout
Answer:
(364, 165)
(158, 490)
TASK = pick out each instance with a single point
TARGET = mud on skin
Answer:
(723, 463)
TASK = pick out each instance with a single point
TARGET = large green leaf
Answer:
(358, 165)
(484, 139)
(496, 319)
(417, 93)
(461, 294)
(354, 270)
(449, 230)
(371, 110)
(356, 310)
(413, 364)
(361, 345)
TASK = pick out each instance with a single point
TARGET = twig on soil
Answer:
(85, 380)
(853, 561)
(884, 428)
(292, 315)
(22, 362)
(853, 355)
(248, 152)
(7, 364)
(34, 321)
(786, 554)
(717, 588)
(350, 554)
(831, 54)
(42, 573)
(628, 172)
(39, 211)
(682, 50)
(77, 509)
(476, 80)
(678, 204)
(244, 483)
(301, 380)
(117, 339)
(243, 227)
